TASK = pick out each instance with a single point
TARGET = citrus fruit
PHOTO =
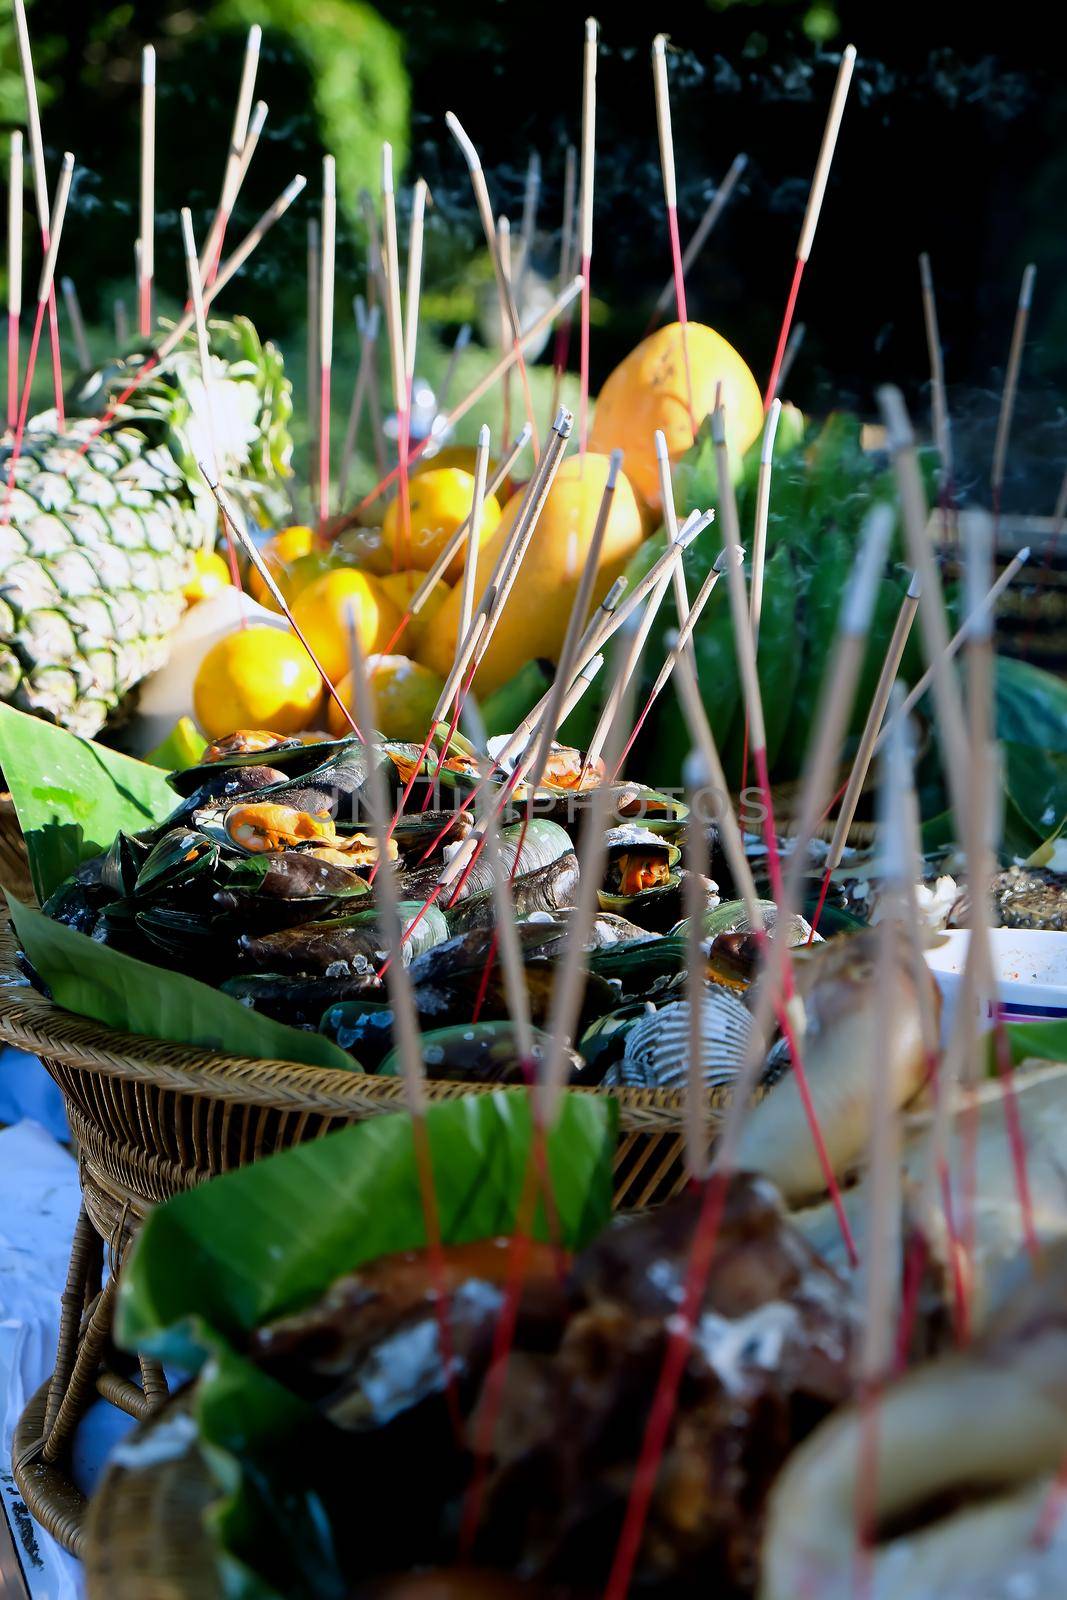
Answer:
(440, 501)
(400, 586)
(648, 391)
(405, 698)
(279, 553)
(535, 619)
(256, 678)
(210, 574)
(365, 548)
(322, 610)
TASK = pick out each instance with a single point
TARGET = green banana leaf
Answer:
(1043, 1041)
(95, 981)
(211, 1264)
(72, 796)
(1031, 723)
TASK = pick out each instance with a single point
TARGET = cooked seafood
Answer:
(964, 1456)
(842, 1050)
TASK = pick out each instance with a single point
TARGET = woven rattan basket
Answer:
(151, 1119)
(14, 865)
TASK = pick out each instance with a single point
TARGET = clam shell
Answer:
(657, 1047)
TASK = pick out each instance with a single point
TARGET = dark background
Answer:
(952, 142)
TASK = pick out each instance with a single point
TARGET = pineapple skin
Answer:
(100, 530)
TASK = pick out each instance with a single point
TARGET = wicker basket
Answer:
(14, 864)
(151, 1119)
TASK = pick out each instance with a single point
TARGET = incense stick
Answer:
(507, 299)
(813, 209)
(147, 230)
(702, 232)
(503, 244)
(414, 279)
(950, 725)
(697, 869)
(228, 271)
(462, 340)
(40, 188)
(796, 339)
(326, 310)
(14, 273)
(394, 325)
(865, 753)
(484, 384)
(670, 195)
(470, 564)
(585, 204)
(77, 323)
(230, 178)
(233, 523)
(763, 507)
(314, 322)
(938, 396)
(44, 297)
(958, 638)
(367, 323)
(1011, 384)
(567, 264)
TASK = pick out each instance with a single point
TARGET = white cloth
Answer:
(39, 1200)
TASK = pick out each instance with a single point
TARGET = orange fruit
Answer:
(405, 697)
(280, 553)
(648, 391)
(535, 619)
(400, 586)
(210, 574)
(256, 678)
(366, 549)
(322, 611)
(440, 500)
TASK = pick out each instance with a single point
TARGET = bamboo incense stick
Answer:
(622, 686)
(40, 187)
(235, 526)
(326, 313)
(484, 384)
(796, 339)
(813, 209)
(367, 323)
(763, 508)
(509, 311)
(503, 244)
(938, 396)
(670, 195)
(950, 724)
(462, 340)
(45, 296)
(196, 296)
(697, 869)
(702, 232)
(227, 272)
(1011, 385)
(14, 273)
(684, 635)
(585, 225)
(147, 230)
(414, 278)
(394, 326)
(567, 265)
(238, 136)
(865, 753)
(77, 323)
(528, 226)
(988, 604)
(470, 564)
(314, 324)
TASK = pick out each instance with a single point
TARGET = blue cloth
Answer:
(26, 1090)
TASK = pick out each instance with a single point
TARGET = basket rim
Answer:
(30, 1021)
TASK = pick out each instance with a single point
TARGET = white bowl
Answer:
(1031, 969)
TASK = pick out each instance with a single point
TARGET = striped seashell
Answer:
(657, 1046)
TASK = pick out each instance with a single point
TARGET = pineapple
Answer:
(97, 546)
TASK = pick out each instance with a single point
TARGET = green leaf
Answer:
(95, 981)
(504, 710)
(73, 796)
(778, 659)
(1031, 705)
(253, 1244)
(1044, 1041)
